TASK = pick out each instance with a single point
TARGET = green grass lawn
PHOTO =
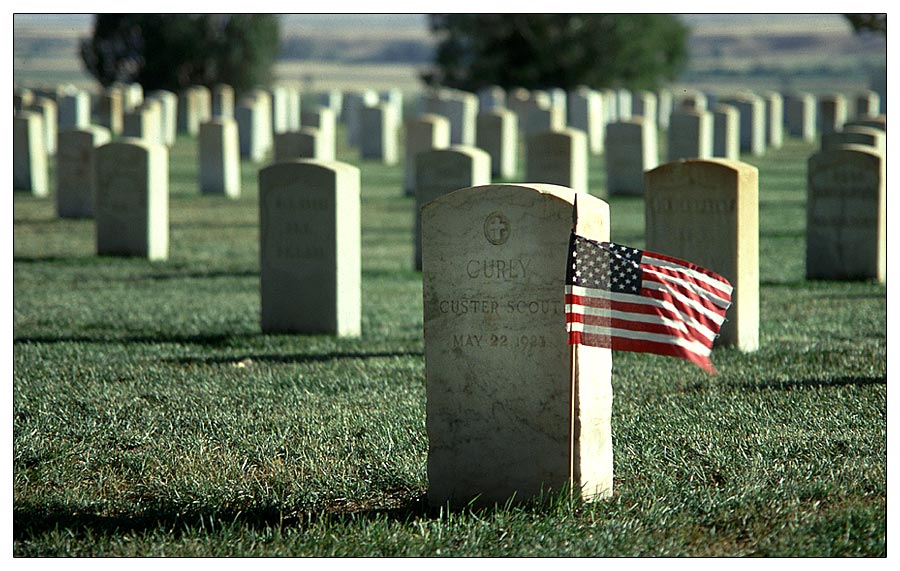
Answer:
(152, 418)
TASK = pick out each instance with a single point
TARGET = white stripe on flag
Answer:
(721, 286)
(692, 346)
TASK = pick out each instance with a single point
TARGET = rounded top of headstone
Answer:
(429, 118)
(337, 167)
(715, 165)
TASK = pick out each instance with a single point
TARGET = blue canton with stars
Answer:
(605, 266)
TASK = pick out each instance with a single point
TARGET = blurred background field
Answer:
(813, 52)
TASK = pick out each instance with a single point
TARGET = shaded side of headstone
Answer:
(169, 114)
(110, 111)
(222, 100)
(726, 132)
(832, 113)
(854, 135)
(49, 123)
(559, 158)
(423, 133)
(690, 135)
(498, 135)
(324, 120)
(664, 108)
(441, 171)
(868, 104)
(220, 157)
(630, 150)
(76, 183)
(800, 116)
(644, 104)
(132, 199)
(378, 138)
(707, 212)
(774, 119)
(846, 215)
(30, 164)
(585, 113)
(753, 122)
(307, 143)
(310, 268)
(145, 122)
(74, 110)
(354, 103)
(252, 123)
(512, 410)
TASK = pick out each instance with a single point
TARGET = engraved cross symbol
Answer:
(496, 228)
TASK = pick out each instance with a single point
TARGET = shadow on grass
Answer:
(199, 339)
(293, 358)
(815, 383)
(31, 522)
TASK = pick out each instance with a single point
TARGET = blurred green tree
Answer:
(636, 51)
(868, 23)
(173, 51)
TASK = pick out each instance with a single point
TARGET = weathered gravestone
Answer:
(855, 135)
(332, 99)
(324, 120)
(307, 143)
(832, 113)
(498, 135)
(726, 132)
(460, 108)
(692, 100)
(610, 106)
(491, 97)
(542, 117)
(664, 108)
(585, 113)
(445, 170)
(194, 107)
(623, 104)
(76, 177)
(109, 110)
(707, 211)
(74, 110)
(222, 96)
(220, 157)
(868, 104)
(378, 137)
(47, 108)
(630, 150)
(558, 157)
(280, 109)
(168, 114)
(512, 410)
(252, 118)
(690, 135)
(774, 119)
(423, 133)
(800, 116)
(22, 98)
(30, 166)
(132, 199)
(354, 103)
(878, 122)
(310, 268)
(145, 122)
(846, 215)
(643, 104)
(753, 122)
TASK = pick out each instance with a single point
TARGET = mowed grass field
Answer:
(151, 417)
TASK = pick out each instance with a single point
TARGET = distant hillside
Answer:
(774, 50)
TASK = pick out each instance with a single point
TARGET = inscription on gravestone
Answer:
(503, 421)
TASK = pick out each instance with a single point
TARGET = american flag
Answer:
(627, 299)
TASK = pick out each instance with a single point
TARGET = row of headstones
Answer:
(268, 118)
(493, 264)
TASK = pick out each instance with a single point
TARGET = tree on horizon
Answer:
(635, 51)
